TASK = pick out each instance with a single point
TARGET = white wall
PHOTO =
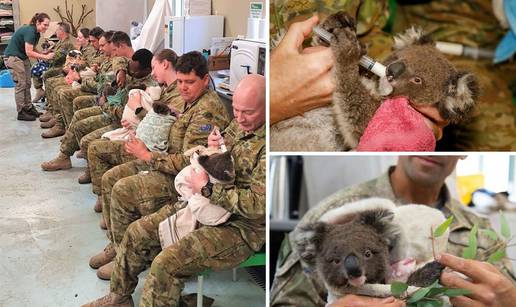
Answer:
(118, 14)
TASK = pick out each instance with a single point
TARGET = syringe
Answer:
(365, 61)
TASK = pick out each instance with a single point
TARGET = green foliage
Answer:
(506, 231)
(428, 296)
(496, 256)
(441, 229)
(491, 234)
(471, 251)
(398, 288)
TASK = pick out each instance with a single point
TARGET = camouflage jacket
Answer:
(115, 111)
(195, 123)
(92, 85)
(88, 54)
(245, 199)
(296, 285)
(170, 96)
(371, 15)
(61, 50)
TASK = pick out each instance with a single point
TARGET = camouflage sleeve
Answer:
(291, 287)
(89, 85)
(115, 111)
(199, 127)
(120, 63)
(248, 202)
(60, 55)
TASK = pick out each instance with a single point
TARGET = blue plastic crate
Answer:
(5, 79)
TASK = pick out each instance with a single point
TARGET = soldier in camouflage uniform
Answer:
(296, 285)
(92, 56)
(471, 23)
(104, 154)
(62, 47)
(209, 247)
(63, 96)
(91, 123)
(144, 185)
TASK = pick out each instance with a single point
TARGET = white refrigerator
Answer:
(189, 33)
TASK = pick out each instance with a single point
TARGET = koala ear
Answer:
(461, 94)
(412, 36)
(308, 240)
(382, 221)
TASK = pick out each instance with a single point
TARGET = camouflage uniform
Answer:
(372, 17)
(218, 248)
(105, 154)
(295, 284)
(472, 23)
(132, 194)
(56, 64)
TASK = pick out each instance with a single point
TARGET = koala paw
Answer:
(345, 42)
(426, 275)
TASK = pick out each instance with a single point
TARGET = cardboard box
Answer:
(218, 62)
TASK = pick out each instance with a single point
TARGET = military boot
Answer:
(46, 117)
(104, 257)
(104, 272)
(40, 93)
(49, 124)
(98, 205)
(55, 131)
(60, 163)
(112, 300)
(85, 177)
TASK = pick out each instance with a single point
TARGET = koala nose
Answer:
(395, 69)
(352, 266)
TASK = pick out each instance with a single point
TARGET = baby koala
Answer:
(360, 247)
(415, 70)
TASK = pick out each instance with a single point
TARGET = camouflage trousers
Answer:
(130, 191)
(84, 122)
(51, 72)
(66, 99)
(104, 154)
(216, 248)
(51, 85)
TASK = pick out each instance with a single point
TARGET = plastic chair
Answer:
(255, 260)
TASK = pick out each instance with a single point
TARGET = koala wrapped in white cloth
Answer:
(394, 244)
(219, 166)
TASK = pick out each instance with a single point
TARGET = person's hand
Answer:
(301, 80)
(214, 138)
(95, 67)
(432, 119)
(351, 300)
(487, 285)
(126, 124)
(137, 148)
(102, 100)
(49, 56)
(120, 78)
(197, 180)
(134, 101)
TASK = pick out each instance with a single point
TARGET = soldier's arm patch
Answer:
(205, 128)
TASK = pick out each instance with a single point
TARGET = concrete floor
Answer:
(48, 229)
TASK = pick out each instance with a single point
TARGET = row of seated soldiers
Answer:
(160, 144)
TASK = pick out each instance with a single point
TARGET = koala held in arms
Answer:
(361, 247)
(415, 70)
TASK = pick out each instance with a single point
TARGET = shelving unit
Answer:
(9, 21)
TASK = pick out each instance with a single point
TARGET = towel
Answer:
(397, 126)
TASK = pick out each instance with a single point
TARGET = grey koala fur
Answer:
(415, 69)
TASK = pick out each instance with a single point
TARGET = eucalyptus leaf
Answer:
(441, 229)
(506, 231)
(491, 234)
(496, 256)
(456, 292)
(471, 251)
(397, 288)
(418, 295)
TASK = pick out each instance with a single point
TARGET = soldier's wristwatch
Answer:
(207, 189)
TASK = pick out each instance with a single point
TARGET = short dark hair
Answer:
(192, 61)
(108, 36)
(121, 37)
(96, 32)
(144, 57)
(65, 27)
(85, 32)
(167, 55)
(39, 17)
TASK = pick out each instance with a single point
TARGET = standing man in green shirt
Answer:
(20, 48)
